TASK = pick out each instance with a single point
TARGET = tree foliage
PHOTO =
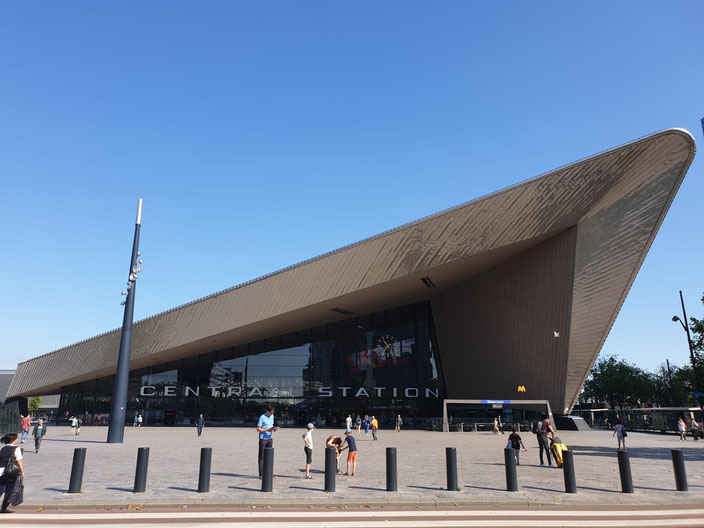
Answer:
(33, 404)
(697, 328)
(618, 383)
(614, 382)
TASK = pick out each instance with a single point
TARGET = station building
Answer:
(511, 295)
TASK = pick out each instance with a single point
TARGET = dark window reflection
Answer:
(380, 364)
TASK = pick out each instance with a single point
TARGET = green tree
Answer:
(697, 377)
(33, 404)
(615, 382)
(672, 389)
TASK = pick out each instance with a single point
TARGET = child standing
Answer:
(620, 432)
(335, 441)
(308, 448)
(352, 454)
(514, 440)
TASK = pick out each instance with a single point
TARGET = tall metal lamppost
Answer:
(692, 359)
(118, 410)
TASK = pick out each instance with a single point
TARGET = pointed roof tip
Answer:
(683, 132)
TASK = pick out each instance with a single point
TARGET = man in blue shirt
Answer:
(265, 428)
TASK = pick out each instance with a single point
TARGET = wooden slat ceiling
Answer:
(617, 200)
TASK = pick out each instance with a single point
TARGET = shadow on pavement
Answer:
(183, 489)
(307, 489)
(129, 490)
(59, 490)
(638, 452)
(597, 489)
(551, 490)
(236, 475)
(243, 488)
(653, 489)
(483, 488)
(73, 440)
(366, 488)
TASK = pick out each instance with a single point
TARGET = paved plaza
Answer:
(174, 459)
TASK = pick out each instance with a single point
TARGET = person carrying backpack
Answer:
(545, 430)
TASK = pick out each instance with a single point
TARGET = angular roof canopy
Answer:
(617, 200)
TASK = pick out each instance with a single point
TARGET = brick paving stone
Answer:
(175, 453)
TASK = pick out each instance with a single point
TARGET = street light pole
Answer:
(118, 410)
(692, 359)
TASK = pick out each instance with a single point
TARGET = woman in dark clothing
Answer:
(515, 443)
(7, 485)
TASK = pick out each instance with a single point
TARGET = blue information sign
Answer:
(496, 401)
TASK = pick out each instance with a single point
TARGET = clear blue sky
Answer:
(260, 134)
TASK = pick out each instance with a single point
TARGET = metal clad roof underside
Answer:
(617, 199)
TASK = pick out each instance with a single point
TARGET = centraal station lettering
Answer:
(274, 392)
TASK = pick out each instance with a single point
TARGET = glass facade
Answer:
(383, 364)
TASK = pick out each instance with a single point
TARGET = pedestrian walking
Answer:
(134, 423)
(495, 428)
(25, 427)
(265, 428)
(335, 442)
(375, 427)
(358, 424)
(139, 421)
(308, 448)
(515, 443)
(200, 424)
(545, 430)
(78, 426)
(38, 433)
(620, 433)
(10, 484)
(367, 423)
(682, 429)
(74, 425)
(399, 423)
(351, 444)
(348, 421)
(501, 426)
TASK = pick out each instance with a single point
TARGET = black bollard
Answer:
(268, 470)
(206, 454)
(391, 469)
(680, 473)
(140, 474)
(624, 469)
(568, 472)
(510, 463)
(330, 468)
(79, 461)
(451, 458)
